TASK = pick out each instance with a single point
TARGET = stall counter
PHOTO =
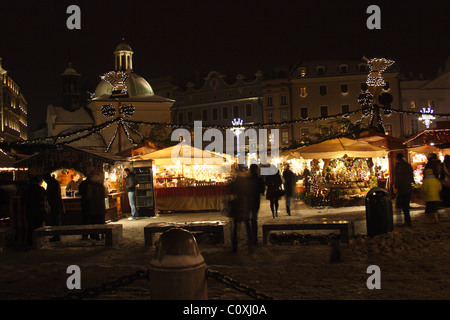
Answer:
(191, 198)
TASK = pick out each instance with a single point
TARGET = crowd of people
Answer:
(45, 207)
(248, 187)
(435, 188)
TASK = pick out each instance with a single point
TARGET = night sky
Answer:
(181, 37)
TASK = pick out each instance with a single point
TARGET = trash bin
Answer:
(379, 213)
(177, 270)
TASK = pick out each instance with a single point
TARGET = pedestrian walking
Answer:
(130, 188)
(257, 189)
(35, 205)
(289, 186)
(403, 181)
(53, 192)
(273, 183)
(240, 187)
(431, 189)
(93, 194)
(445, 180)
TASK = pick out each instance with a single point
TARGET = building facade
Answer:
(320, 89)
(13, 109)
(277, 105)
(425, 95)
(216, 102)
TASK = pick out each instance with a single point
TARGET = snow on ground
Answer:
(414, 262)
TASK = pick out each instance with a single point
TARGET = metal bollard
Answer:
(178, 270)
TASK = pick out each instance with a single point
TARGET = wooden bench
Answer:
(346, 227)
(220, 228)
(113, 232)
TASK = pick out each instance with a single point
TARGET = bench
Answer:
(346, 227)
(113, 232)
(220, 228)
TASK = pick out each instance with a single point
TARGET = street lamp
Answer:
(237, 129)
(427, 116)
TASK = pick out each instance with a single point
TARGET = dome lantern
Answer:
(123, 57)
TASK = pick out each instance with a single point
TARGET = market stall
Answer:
(188, 178)
(340, 171)
(69, 166)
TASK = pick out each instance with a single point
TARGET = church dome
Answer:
(123, 47)
(70, 71)
(137, 86)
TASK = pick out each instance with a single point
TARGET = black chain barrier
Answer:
(236, 285)
(144, 275)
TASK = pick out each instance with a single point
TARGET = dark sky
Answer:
(179, 37)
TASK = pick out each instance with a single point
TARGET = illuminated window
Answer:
(302, 72)
(284, 137)
(303, 92)
(304, 133)
(388, 128)
(413, 104)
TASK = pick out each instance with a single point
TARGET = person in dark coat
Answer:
(93, 194)
(257, 189)
(289, 186)
(54, 197)
(403, 181)
(130, 187)
(445, 180)
(273, 183)
(34, 201)
(240, 187)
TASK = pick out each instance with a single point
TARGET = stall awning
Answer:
(337, 148)
(84, 160)
(425, 149)
(185, 154)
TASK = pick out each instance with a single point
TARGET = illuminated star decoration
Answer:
(377, 67)
(427, 116)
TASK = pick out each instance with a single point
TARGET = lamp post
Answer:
(427, 116)
(237, 131)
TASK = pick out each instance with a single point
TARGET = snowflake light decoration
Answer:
(427, 116)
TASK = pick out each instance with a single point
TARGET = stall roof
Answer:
(84, 160)
(184, 154)
(337, 148)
